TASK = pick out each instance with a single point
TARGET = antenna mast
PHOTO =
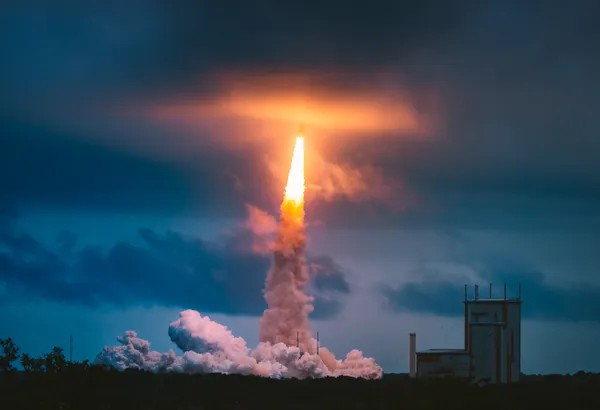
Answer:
(71, 348)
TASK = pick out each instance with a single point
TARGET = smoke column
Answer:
(210, 347)
(286, 319)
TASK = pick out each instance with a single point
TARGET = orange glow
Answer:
(296, 99)
(362, 114)
(294, 190)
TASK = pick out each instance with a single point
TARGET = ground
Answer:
(100, 389)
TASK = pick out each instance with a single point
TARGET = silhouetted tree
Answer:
(39, 365)
(53, 382)
(8, 355)
(27, 362)
(78, 366)
(55, 361)
(33, 364)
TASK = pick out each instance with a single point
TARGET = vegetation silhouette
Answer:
(52, 382)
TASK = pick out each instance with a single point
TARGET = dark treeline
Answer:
(51, 382)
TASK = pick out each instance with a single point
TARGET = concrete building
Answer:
(492, 350)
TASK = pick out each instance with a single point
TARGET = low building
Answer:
(492, 350)
(443, 363)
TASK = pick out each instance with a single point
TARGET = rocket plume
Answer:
(286, 319)
(294, 190)
(210, 347)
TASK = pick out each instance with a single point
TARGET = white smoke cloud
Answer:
(135, 353)
(210, 347)
(286, 348)
(286, 318)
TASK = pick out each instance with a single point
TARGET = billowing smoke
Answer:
(286, 319)
(210, 347)
(286, 348)
(135, 353)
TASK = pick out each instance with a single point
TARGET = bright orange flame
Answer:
(294, 190)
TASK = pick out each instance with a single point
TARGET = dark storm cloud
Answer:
(542, 300)
(515, 82)
(165, 269)
(301, 35)
(55, 169)
(327, 274)
(158, 46)
(66, 241)
(328, 285)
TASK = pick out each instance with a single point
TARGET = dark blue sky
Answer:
(447, 142)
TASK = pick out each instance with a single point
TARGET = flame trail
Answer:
(294, 190)
(210, 347)
(286, 318)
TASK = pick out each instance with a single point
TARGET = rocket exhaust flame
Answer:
(285, 287)
(286, 347)
(294, 190)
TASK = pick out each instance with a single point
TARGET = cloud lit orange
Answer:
(293, 99)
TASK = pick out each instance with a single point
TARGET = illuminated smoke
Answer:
(286, 347)
(210, 347)
(286, 318)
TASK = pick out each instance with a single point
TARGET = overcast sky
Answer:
(447, 142)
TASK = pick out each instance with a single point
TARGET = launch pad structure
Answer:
(298, 343)
(492, 349)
